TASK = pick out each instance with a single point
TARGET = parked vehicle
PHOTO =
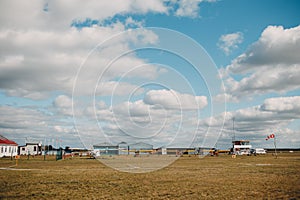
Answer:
(258, 151)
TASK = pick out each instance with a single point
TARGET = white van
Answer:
(260, 151)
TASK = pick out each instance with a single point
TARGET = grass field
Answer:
(245, 177)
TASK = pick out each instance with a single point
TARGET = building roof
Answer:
(4, 140)
(140, 145)
(122, 143)
(32, 143)
(241, 141)
(104, 144)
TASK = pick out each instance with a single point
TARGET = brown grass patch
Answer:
(246, 177)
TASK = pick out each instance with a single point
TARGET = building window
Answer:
(23, 148)
(34, 148)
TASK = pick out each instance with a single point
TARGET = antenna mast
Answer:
(233, 139)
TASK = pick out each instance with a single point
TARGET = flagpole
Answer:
(275, 146)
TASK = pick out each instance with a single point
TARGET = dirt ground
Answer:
(222, 177)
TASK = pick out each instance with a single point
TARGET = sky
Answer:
(177, 73)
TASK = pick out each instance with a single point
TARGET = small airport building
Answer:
(241, 147)
(105, 148)
(8, 148)
(140, 148)
(31, 148)
(122, 148)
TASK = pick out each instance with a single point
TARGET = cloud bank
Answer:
(270, 65)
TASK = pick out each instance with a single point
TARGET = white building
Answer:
(33, 148)
(7, 147)
(241, 147)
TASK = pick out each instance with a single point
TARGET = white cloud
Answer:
(15, 15)
(276, 46)
(188, 8)
(21, 118)
(60, 14)
(272, 64)
(19, 123)
(114, 88)
(34, 62)
(279, 79)
(156, 125)
(255, 123)
(229, 42)
(11, 60)
(129, 22)
(289, 105)
(170, 99)
(225, 97)
(152, 120)
(20, 92)
(64, 105)
(132, 109)
(41, 52)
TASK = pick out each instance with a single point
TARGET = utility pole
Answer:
(233, 139)
(275, 146)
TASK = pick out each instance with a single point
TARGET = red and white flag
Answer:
(270, 136)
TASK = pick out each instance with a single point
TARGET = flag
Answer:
(270, 136)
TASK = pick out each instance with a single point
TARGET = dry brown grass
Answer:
(254, 177)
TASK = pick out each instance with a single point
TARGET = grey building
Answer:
(123, 148)
(106, 148)
(141, 148)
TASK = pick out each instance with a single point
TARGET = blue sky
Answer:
(224, 17)
(84, 73)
